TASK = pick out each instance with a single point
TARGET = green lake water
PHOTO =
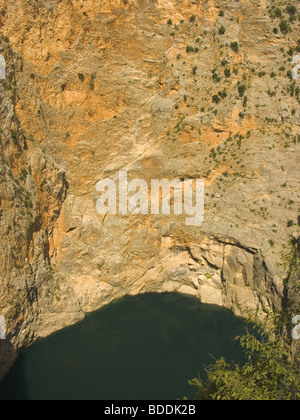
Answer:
(138, 348)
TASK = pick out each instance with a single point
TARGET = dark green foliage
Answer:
(270, 374)
(92, 81)
(292, 88)
(227, 72)
(284, 27)
(215, 76)
(14, 136)
(81, 77)
(277, 12)
(222, 30)
(242, 89)
(216, 99)
(223, 94)
(213, 153)
(192, 18)
(189, 49)
(291, 10)
(294, 91)
(24, 173)
(234, 46)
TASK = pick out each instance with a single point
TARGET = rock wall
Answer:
(32, 300)
(163, 89)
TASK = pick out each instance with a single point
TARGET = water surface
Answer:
(138, 348)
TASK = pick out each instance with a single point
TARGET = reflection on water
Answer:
(144, 347)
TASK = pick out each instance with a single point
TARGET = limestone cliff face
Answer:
(163, 89)
(33, 188)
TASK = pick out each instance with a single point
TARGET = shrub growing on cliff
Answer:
(271, 372)
(227, 72)
(261, 74)
(284, 27)
(275, 13)
(92, 81)
(234, 46)
(189, 49)
(222, 30)
(291, 10)
(223, 93)
(81, 77)
(215, 76)
(242, 89)
(216, 99)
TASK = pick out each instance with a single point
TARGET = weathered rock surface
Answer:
(156, 88)
(33, 299)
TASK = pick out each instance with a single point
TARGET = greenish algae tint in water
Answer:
(138, 348)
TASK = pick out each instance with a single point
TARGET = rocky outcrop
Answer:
(163, 89)
(33, 300)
